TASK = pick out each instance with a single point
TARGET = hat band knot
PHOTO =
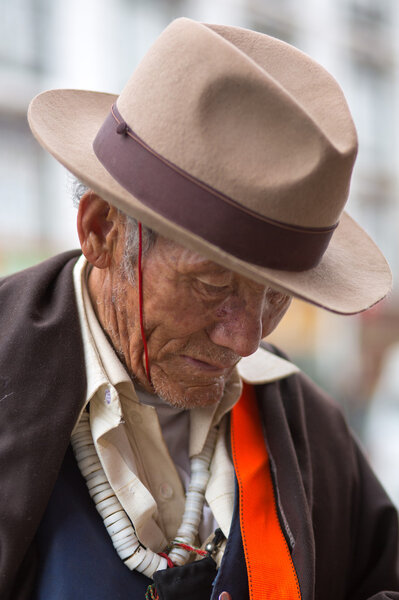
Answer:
(122, 128)
(197, 207)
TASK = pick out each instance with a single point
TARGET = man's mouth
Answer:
(206, 365)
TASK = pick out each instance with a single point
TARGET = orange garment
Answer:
(271, 572)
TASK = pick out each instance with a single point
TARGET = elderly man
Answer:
(214, 190)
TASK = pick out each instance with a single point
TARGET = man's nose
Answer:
(238, 324)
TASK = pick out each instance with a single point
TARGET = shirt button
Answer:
(166, 490)
(108, 396)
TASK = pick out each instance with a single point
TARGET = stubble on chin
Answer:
(182, 396)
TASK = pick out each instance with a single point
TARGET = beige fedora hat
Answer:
(236, 145)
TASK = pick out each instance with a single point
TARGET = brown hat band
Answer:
(204, 211)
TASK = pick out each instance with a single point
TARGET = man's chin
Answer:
(190, 396)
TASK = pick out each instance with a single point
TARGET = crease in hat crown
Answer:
(255, 120)
(239, 128)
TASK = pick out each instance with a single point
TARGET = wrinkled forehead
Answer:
(187, 261)
(185, 257)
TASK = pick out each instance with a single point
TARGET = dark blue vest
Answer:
(77, 560)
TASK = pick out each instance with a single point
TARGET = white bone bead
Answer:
(80, 445)
(194, 502)
(107, 502)
(120, 514)
(118, 526)
(199, 481)
(88, 461)
(85, 452)
(82, 433)
(179, 556)
(147, 558)
(123, 534)
(187, 522)
(92, 475)
(127, 542)
(82, 439)
(198, 463)
(84, 417)
(198, 484)
(107, 511)
(81, 429)
(89, 469)
(192, 516)
(102, 494)
(97, 479)
(126, 552)
(187, 534)
(136, 558)
(154, 565)
(82, 422)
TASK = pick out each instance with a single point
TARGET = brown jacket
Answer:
(340, 526)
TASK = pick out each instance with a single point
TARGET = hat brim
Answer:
(352, 276)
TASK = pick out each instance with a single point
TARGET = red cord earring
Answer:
(140, 276)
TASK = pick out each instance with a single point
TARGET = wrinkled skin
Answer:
(199, 318)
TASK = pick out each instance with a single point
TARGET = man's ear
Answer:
(96, 221)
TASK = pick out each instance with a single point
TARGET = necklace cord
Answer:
(170, 562)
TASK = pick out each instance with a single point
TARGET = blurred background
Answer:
(96, 44)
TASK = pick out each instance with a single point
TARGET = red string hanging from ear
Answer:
(140, 274)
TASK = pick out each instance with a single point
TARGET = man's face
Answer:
(199, 320)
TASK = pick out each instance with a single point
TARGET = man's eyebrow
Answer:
(208, 265)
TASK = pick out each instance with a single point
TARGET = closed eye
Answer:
(213, 289)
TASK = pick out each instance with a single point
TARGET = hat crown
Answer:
(263, 124)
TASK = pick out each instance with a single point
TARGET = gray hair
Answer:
(131, 250)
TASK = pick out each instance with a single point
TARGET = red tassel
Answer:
(170, 562)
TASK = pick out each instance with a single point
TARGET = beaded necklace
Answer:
(116, 521)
